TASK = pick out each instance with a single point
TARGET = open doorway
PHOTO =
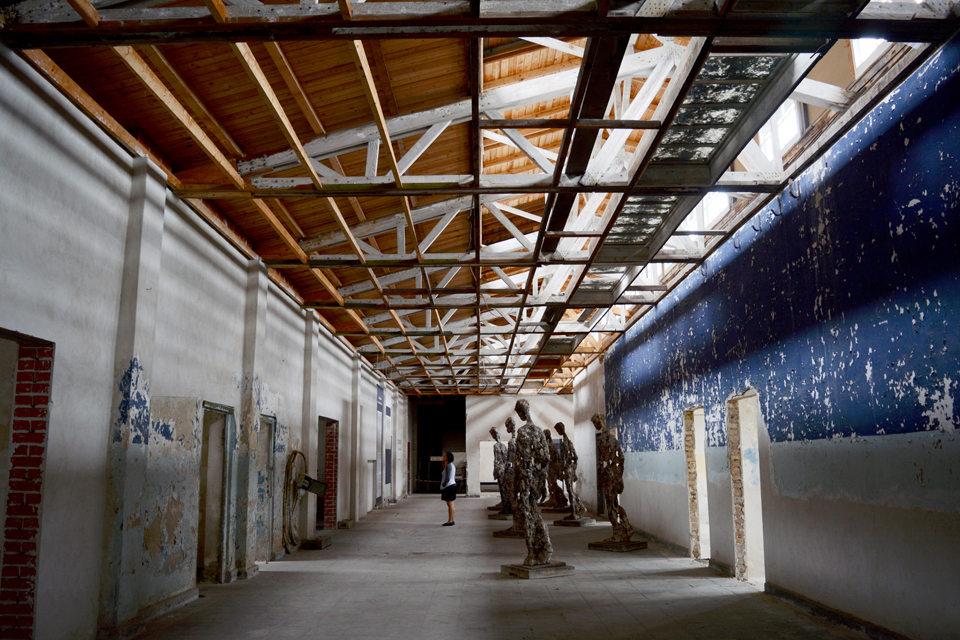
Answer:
(743, 448)
(266, 489)
(441, 426)
(695, 436)
(215, 527)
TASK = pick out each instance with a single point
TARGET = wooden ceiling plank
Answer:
(287, 216)
(296, 89)
(155, 85)
(253, 69)
(59, 78)
(188, 95)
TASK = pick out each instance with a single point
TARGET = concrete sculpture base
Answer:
(633, 545)
(554, 509)
(578, 522)
(552, 570)
(313, 544)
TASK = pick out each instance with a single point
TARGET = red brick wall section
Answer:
(21, 531)
(330, 465)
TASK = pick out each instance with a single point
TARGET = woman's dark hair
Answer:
(449, 457)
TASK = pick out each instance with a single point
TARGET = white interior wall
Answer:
(588, 399)
(65, 198)
(64, 188)
(484, 412)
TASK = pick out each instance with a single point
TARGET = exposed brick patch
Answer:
(330, 469)
(21, 530)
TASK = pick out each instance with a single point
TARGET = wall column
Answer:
(357, 465)
(254, 336)
(139, 293)
(309, 438)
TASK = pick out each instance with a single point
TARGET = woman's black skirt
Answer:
(449, 493)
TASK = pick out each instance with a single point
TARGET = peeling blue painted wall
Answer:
(840, 305)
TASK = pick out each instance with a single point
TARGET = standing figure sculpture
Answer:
(568, 459)
(499, 468)
(610, 478)
(554, 476)
(531, 462)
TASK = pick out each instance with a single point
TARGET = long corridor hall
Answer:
(399, 574)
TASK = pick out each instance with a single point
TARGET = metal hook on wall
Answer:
(796, 195)
(777, 214)
(736, 241)
(757, 224)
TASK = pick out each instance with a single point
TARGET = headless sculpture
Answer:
(531, 462)
(499, 468)
(554, 476)
(610, 479)
(568, 459)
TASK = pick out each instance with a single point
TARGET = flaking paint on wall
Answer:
(839, 305)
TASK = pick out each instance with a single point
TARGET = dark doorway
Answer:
(441, 426)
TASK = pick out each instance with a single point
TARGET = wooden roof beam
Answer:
(252, 67)
(370, 89)
(86, 11)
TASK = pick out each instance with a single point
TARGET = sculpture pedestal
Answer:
(499, 516)
(554, 509)
(313, 544)
(552, 570)
(509, 533)
(575, 522)
(633, 545)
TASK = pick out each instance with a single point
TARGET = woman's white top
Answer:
(449, 476)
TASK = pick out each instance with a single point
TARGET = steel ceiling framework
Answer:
(647, 134)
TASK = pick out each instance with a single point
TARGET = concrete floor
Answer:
(399, 574)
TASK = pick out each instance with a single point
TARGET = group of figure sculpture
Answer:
(533, 474)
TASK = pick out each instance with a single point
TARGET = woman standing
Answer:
(448, 489)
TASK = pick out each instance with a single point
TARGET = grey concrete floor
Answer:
(399, 574)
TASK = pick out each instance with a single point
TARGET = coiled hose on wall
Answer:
(292, 495)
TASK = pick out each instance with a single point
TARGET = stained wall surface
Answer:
(838, 305)
(152, 315)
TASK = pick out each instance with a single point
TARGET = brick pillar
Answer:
(330, 468)
(22, 527)
(736, 481)
(689, 445)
